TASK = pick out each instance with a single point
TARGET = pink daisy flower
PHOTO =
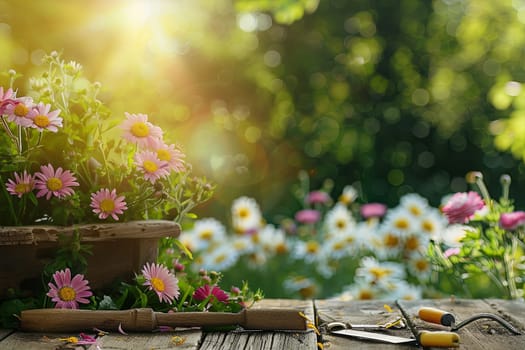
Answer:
(106, 203)
(461, 207)
(6, 98)
(18, 110)
(43, 119)
(50, 183)
(21, 185)
(212, 292)
(160, 280)
(511, 221)
(373, 210)
(318, 197)
(170, 154)
(138, 130)
(307, 216)
(67, 293)
(152, 167)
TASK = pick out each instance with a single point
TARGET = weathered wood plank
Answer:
(4, 333)
(511, 310)
(35, 341)
(358, 312)
(183, 339)
(481, 334)
(257, 340)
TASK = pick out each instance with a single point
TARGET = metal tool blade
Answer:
(374, 336)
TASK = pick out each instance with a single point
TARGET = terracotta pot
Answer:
(119, 251)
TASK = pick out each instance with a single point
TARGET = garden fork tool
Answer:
(437, 316)
(363, 331)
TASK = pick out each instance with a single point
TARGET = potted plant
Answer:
(102, 188)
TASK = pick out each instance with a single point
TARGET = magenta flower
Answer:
(21, 185)
(106, 203)
(373, 210)
(152, 167)
(50, 183)
(138, 130)
(461, 207)
(67, 293)
(211, 292)
(43, 119)
(161, 281)
(307, 216)
(511, 221)
(318, 197)
(6, 98)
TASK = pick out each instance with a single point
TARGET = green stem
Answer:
(508, 264)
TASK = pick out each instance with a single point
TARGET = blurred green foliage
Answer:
(391, 96)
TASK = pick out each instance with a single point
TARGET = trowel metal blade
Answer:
(374, 336)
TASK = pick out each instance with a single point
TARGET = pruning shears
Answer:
(369, 332)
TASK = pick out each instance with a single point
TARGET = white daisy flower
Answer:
(219, 258)
(415, 243)
(273, 240)
(242, 244)
(348, 195)
(361, 291)
(207, 231)
(382, 274)
(246, 215)
(339, 220)
(453, 235)
(414, 203)
(432, 223)
(400, 220)
(405, 291)
(308, 251)
(420, 267)
(386, 243)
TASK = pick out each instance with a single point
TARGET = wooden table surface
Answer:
(481, 334)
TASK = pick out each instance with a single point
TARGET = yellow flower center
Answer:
(312, 247)
(365, 295)
(22, 188)
(150, 166)
(220, 258)
(281, 248)
(206, 235)
(54, 183)
(427, 226)
(401, 224)
(163, 154)
(341, 224)
(41, 120)
(412, 243)
(391, 240)
(338, 246)
(379, 273)
(21, 110)
(422, 265)
(107, 205)
(67, 294)
(416, 211)
(243, 213)
(158, 284)
(140, 129)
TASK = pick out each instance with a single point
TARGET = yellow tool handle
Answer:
(436, 316)
(438, 339)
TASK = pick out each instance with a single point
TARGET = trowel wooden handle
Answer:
(145, 320)
(436, 316)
